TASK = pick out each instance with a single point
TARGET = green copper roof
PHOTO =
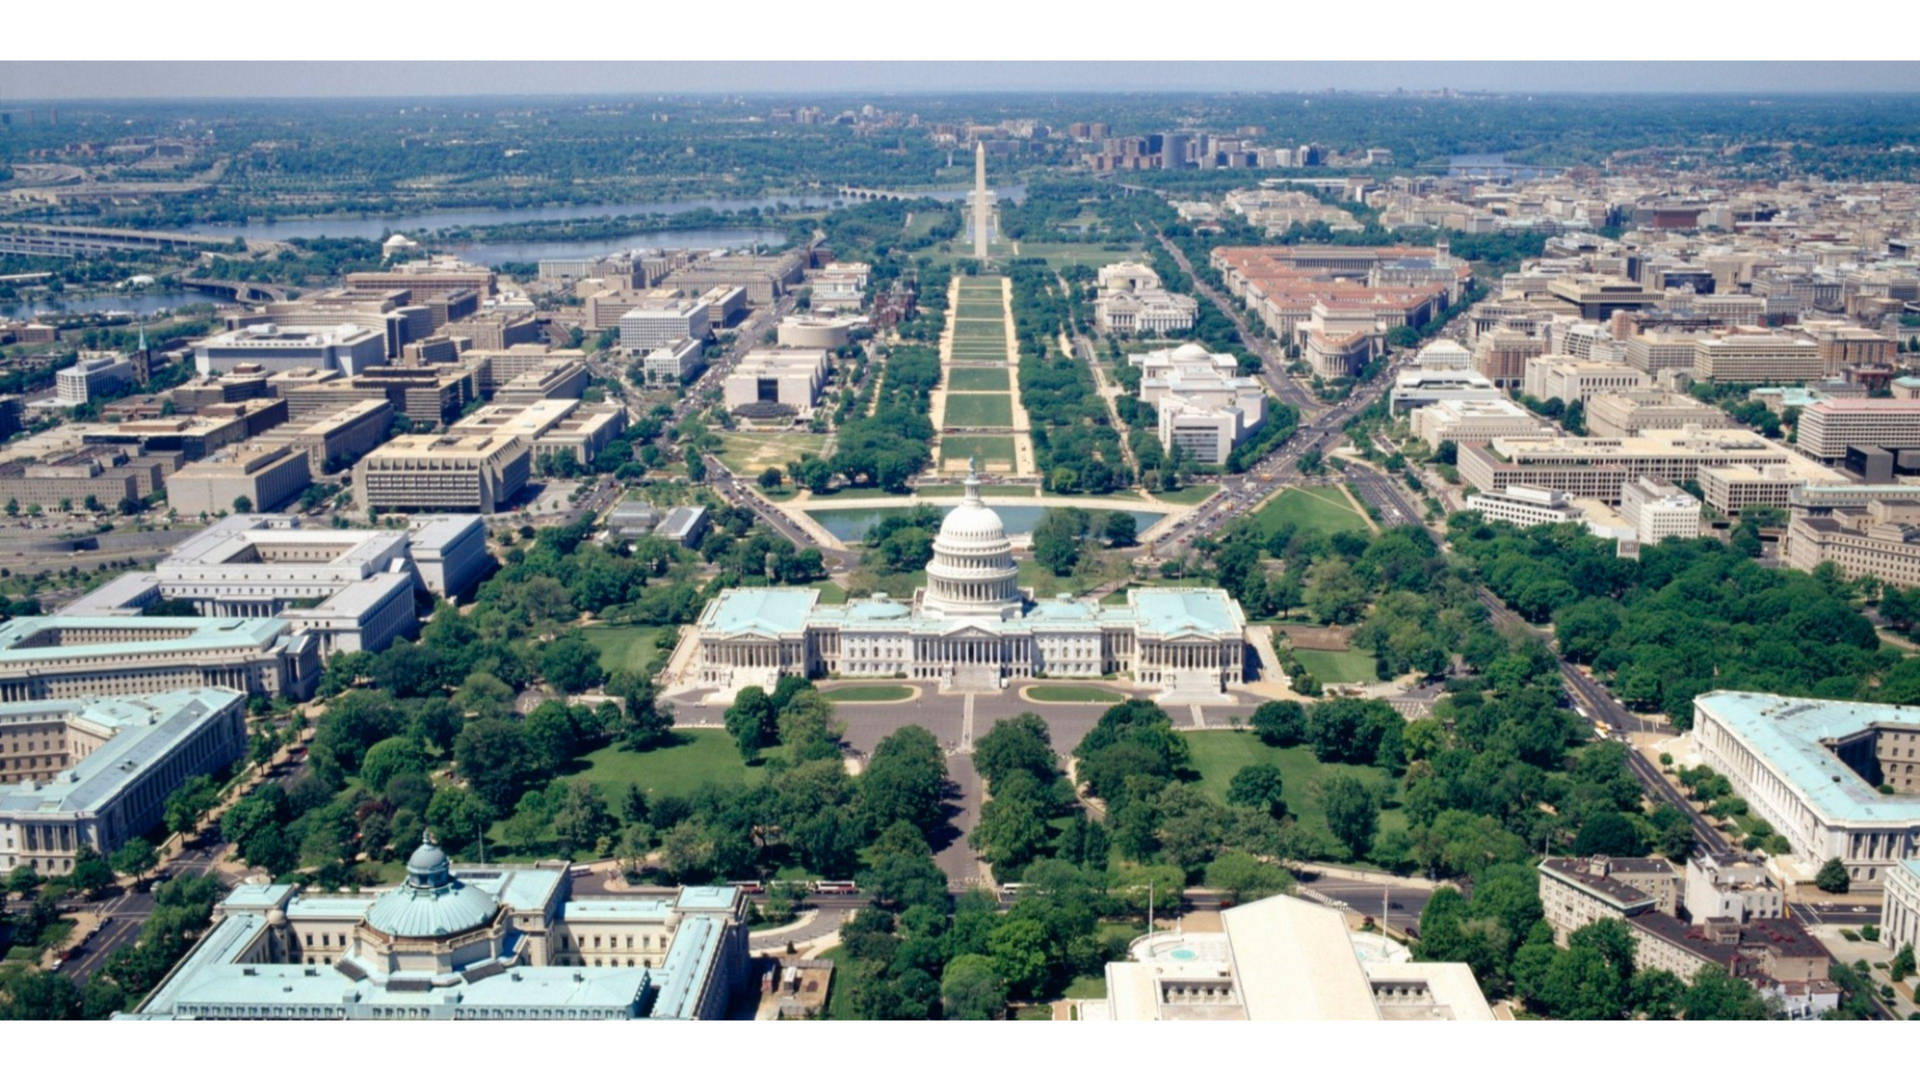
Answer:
(1170, 612)
(1788, 733)
(760, 611)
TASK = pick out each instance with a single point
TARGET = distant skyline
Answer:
(23, 81)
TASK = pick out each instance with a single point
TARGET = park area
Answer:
(978, 380)
(1322, 510)
(995, 452)
(979, 411)
(625, 648)
(748, 453)
(696, 757)
(1217, 755)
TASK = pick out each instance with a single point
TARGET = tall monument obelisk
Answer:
(981, 212)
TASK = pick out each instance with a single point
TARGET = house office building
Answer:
(63, 656)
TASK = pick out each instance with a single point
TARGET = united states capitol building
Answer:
(972, 627)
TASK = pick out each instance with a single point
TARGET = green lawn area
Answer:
(698, 756)
(1086, 986)
(1086, 694)
(993, 380)
(1217, 755)
(979, 410)
(1190, 495)
(988, 448)
(831, 592)
(625, 648)
(748, 453)
(1060, 255)
(839, 1002)
(980, 308)
(1323, 511)
(867, 692)
(1349, 666)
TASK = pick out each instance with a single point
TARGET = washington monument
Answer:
(982, 202)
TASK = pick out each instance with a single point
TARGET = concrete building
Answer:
(565, 426)
(1524, 506)
(1338, 357)
(1570, 379)
(267, 477)
(1620, 413)
(1730, 489)
(336, 440)
(1203, 406)
(462, 943)
(1443, 354)
(1765, 359)
(61, 656)
(449, 553)
(661, 323)
(1131, 301)
(192, 437)
(1461, 421)
(558, 379)
(840, 287)
(428, 395)
(971, 626)
(423, 277)
(106, 475)
(1813, 769)
(1502, 356)
(676, 363)
(765, 277)
(1416, 387)
(1735, 886)
(1828, 429)
(1654, 353)
(347, 348)
(817, 331)
(1880, 538)
(1577, 892)
(1595, 468)
(725, 304)
(1658, 510)
(684, 525)
(791, 378)
(93, 376)
(498, 367)
(476, 473)
(1282, 958)
(93, 773)
(1900, 918)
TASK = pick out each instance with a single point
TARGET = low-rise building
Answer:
(1730, 489)
(95, 475)
(791, 378)
(1813, 769)
(336, 440)
(475, 473)
(676, 363)
(1731, 886)
(70, 656)
(558, 379)
(93, 376)
(1620, 413)
(348, 348)
(1577, 892)
(1203, 405)
(1657, 510)
(95, 772)
(1416, 387)
(1283, 958)
(1338, 357)
(194, 437)
(265, 477)
(1900, 918)
(1880, 539)
(1764, 358)
(841, 287)
(1596, 468)
(661, 322)
(765, 277)
(1569, 379)
(684, 525)
(817, 331)
(1470, 420)
(1828, 429)
(462, 943)
(568, 427)
(1525, 506)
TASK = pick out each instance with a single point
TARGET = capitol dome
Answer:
(431, 903)
(972, 573)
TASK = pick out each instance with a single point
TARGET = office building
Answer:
(765, 277)
(1443, 354)
(1557, 375)
(428, 395)
(194, 437)
(96, 475)
(1203, 405)
(95, 772)
(1282, 958)
(62, 656)
(475, 473)
(347, 348)
(462, 943)
(1596, 468)
(1577, 892)
(245, 478)
(1524, 506)
(1654, 352)
(93, 376)
(663, 322)
(1501, 355)
(972, 626)
(1597, 296)
(840, 287)
(1732, 886)
(1828, 429)
(449, 553)
(1766, 359)
(427, 277)
(1416, 387)
(1657, 510)
(1814, 771)
(790, 379)
(1880, 539)
(1620, 413)
(1729, 489)
(677, 363)
(1473, 420)
(334, 441)
(567, 427)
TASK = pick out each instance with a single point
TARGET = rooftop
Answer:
(1789, 732)
(142, 730)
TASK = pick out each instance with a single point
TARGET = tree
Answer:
(389, 758)
(972, 989)
(1280, 723)
(1609, 833)
(752, 721)
(1334, 593)
(1902, 967)
(1056, 540)
(1716, 995)
(1240, 877)
(1258, 786)
(459, 816)
(1352, 813)
(496, 760)
(1121, 530)
(91, 874)
(188, 803)
(134, 858)
(581, 819)
(1656, 994)
(242, 505)
(1017, 949)
(571, 664)
(1833, 877)
(905, 780)
(770, 478)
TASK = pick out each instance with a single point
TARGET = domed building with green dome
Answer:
(972, 627)
(463, 943)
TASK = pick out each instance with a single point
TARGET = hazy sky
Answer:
(31, 80)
